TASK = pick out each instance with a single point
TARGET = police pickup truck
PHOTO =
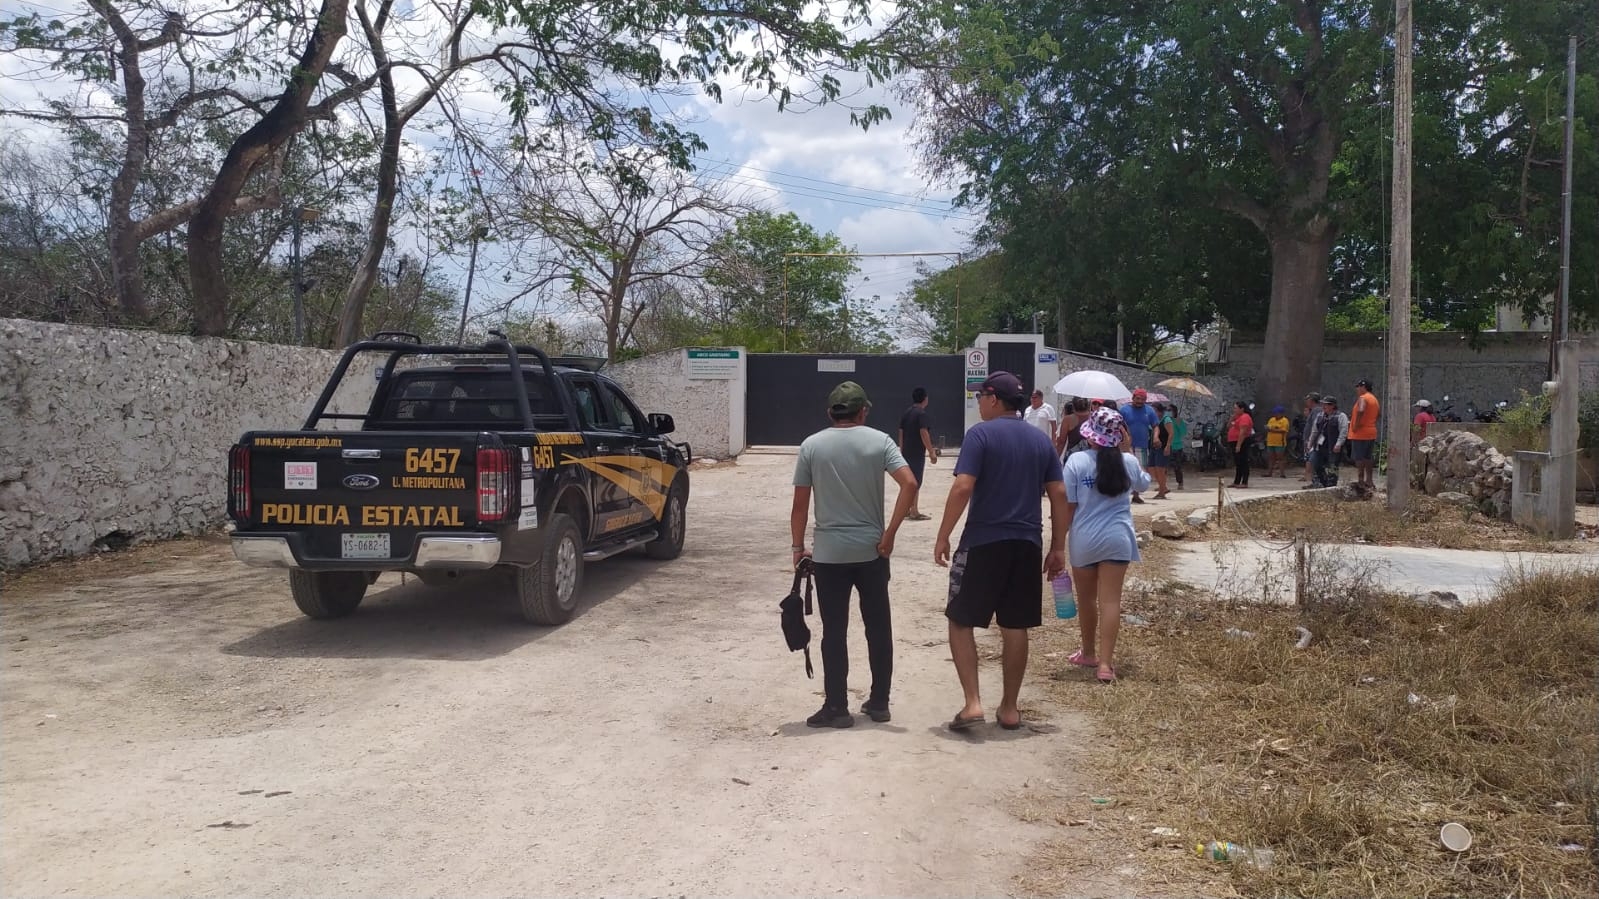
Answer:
(463, 460)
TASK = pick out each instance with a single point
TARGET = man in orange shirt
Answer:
(1363, 431)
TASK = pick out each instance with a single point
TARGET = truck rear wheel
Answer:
(327, 594)
(669, 545)
(548, 589)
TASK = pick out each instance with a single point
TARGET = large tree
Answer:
(1271, 111)
(778, 284)
(609, 234)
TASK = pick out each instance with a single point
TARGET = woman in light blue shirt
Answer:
(1101, 541)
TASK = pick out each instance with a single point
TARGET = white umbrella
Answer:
(1094, 385)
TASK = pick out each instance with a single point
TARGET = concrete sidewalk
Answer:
(1246, 568)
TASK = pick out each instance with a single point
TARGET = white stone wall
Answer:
(109, 435)
(709, 413)
(105, 431)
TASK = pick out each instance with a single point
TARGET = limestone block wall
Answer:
(709, 413)
(109, 435)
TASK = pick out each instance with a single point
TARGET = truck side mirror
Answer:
(662, 423)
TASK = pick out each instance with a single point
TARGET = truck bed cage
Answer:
(399, 345)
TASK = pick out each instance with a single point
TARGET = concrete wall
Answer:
(1502, 365)
(709, 413)
(124, 434)
(109, 435)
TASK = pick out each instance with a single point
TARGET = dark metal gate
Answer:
(787, 397)
(1014, 357)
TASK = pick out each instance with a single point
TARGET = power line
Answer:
(823, 181)
(833, 197)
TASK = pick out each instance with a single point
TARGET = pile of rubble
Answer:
(1461, 463)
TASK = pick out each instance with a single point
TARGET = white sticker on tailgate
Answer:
(364, 546)
(299, 476)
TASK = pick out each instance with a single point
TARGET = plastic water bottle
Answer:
(1065, 602)
(1225, 851)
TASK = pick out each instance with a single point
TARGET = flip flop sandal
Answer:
(959, 723)
(1111, 679)
(1077, 659)
(1016, 726)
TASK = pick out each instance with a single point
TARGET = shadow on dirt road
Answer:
(470, 620)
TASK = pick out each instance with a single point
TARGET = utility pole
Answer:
(1559, 486)
(471, 270)
(302, 214)
(1398, 400)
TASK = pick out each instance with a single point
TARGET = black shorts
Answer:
(1003, 581)
(1361, 450)
(918, 464)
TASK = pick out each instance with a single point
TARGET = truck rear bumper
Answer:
(478, 551)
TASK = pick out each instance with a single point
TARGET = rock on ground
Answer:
(1167, 525)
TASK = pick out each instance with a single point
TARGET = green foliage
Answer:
(769, 299)
(1588, 422)
(1370, 313)
(1104, 139)
(1522, 426)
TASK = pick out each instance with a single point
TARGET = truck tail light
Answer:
(239, 484)
(493, 483)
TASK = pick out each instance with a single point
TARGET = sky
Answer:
(862, 185)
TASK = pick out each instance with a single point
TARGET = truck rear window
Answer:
(481, 398)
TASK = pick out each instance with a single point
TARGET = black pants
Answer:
(1241, 466)
(1326, 467)
(1177, 466)
(833, 584)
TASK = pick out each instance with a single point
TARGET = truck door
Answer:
(651, 475)
(608, 451)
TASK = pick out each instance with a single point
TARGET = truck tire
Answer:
(548, 589)
(327, 594)
(674, 524)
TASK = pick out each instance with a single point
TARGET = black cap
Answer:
(1363, 383)
(1004, 385)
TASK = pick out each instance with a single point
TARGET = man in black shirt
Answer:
(916, 443)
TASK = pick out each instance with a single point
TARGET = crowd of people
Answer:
(1091, 461)
(1014, 456)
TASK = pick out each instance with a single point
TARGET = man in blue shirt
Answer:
(1141, 420)
(1005, 464)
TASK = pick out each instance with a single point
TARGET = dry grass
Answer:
(1426, 521)
(1322, 755)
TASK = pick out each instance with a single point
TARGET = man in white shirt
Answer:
(1041, 415)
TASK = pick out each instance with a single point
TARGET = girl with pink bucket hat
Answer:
(1101, 542)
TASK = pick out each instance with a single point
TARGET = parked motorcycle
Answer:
(1447, 411)
(1490, 414)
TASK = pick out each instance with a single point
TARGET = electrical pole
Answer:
(471, 270)
(1398, 400)
(299, 283)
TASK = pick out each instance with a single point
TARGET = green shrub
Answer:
(1588, 421)
(1523, 426)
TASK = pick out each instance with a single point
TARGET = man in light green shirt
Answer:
(842, 468)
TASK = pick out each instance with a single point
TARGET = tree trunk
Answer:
(127, 269)
(249, 151)
(377, 238)
(1290, 364)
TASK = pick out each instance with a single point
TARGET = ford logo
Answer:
(361, 481)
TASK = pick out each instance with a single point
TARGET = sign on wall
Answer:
(976, 370)
(708, 364)
(846, 365)
(1046, 358)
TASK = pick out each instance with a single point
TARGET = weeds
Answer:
(1347, 757)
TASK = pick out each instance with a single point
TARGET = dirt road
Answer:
(172, 726)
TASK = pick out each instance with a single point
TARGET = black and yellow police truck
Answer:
(466, 458)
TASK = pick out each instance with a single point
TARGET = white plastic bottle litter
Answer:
(1065, 602)
(1225, 851)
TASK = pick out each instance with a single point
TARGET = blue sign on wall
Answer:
(1046, 357)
